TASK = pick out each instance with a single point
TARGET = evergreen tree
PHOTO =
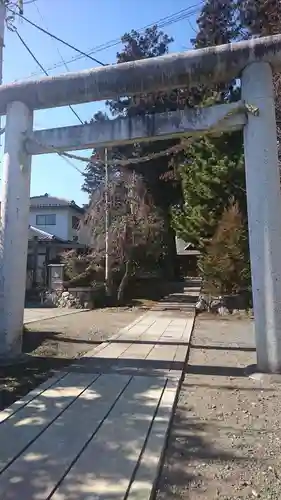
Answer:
(217, 25)
(260, 17)
(213, 171)
(213, 168)
(225, 265)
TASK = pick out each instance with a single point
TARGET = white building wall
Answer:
(61, 229)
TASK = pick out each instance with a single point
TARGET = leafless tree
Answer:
(135, 231)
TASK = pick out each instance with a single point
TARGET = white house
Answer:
(43, 249)
(53, 228)
(56, 216)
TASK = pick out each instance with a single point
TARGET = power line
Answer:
(67, 69)
(57, 49)
(67, 160)
(63, 156)
(27, 2)
(182, 14)
(44, 71)
(31, 53)
(168, 20)
(56, 37)
(161, 23)
(38, 62)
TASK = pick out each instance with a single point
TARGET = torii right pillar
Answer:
(264, 213)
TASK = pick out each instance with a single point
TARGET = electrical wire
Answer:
(117, 41)
(63, 156)
(27, 2)
(65, 65)
(57, 49)
(180, 15)
(81, 52)
(44, 71)
(161, 23)
(67, 160)
(31, 53)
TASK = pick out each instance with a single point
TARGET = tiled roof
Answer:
(184, 248)
(44, 201)
(34, 232)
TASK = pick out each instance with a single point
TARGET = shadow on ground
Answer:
(107, 456)
(189, 450)
(100, 450)
(193, 441)
(32, 339)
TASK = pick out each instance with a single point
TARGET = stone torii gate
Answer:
(253, 61)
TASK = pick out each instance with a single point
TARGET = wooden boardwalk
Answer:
(98, 430)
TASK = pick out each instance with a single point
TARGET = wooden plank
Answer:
(178, 323)
(17, 405)
(138, 329)
(175, 328)
(180, 354)
(46, 461)
(113, 350)
(121, 334)
(162, 353)
(21, 429)
(130, 336)
(148, 468)
(188, 329)
(104, 469)
(137, 351)
(138, 320)
(101, 346)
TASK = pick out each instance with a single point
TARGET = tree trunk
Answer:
(124, 281)
(172, 270)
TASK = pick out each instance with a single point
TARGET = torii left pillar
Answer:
(14, 228)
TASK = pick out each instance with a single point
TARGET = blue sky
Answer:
(85, 24)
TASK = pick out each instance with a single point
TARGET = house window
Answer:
(46, 220)
(30, 261)
(75, 222)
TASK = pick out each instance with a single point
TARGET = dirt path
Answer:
(53, 343)
(226, 435)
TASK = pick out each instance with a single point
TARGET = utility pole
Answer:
(2, 30)
(107, 287)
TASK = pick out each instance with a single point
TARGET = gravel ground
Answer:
(53, 343)
(226, 434)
